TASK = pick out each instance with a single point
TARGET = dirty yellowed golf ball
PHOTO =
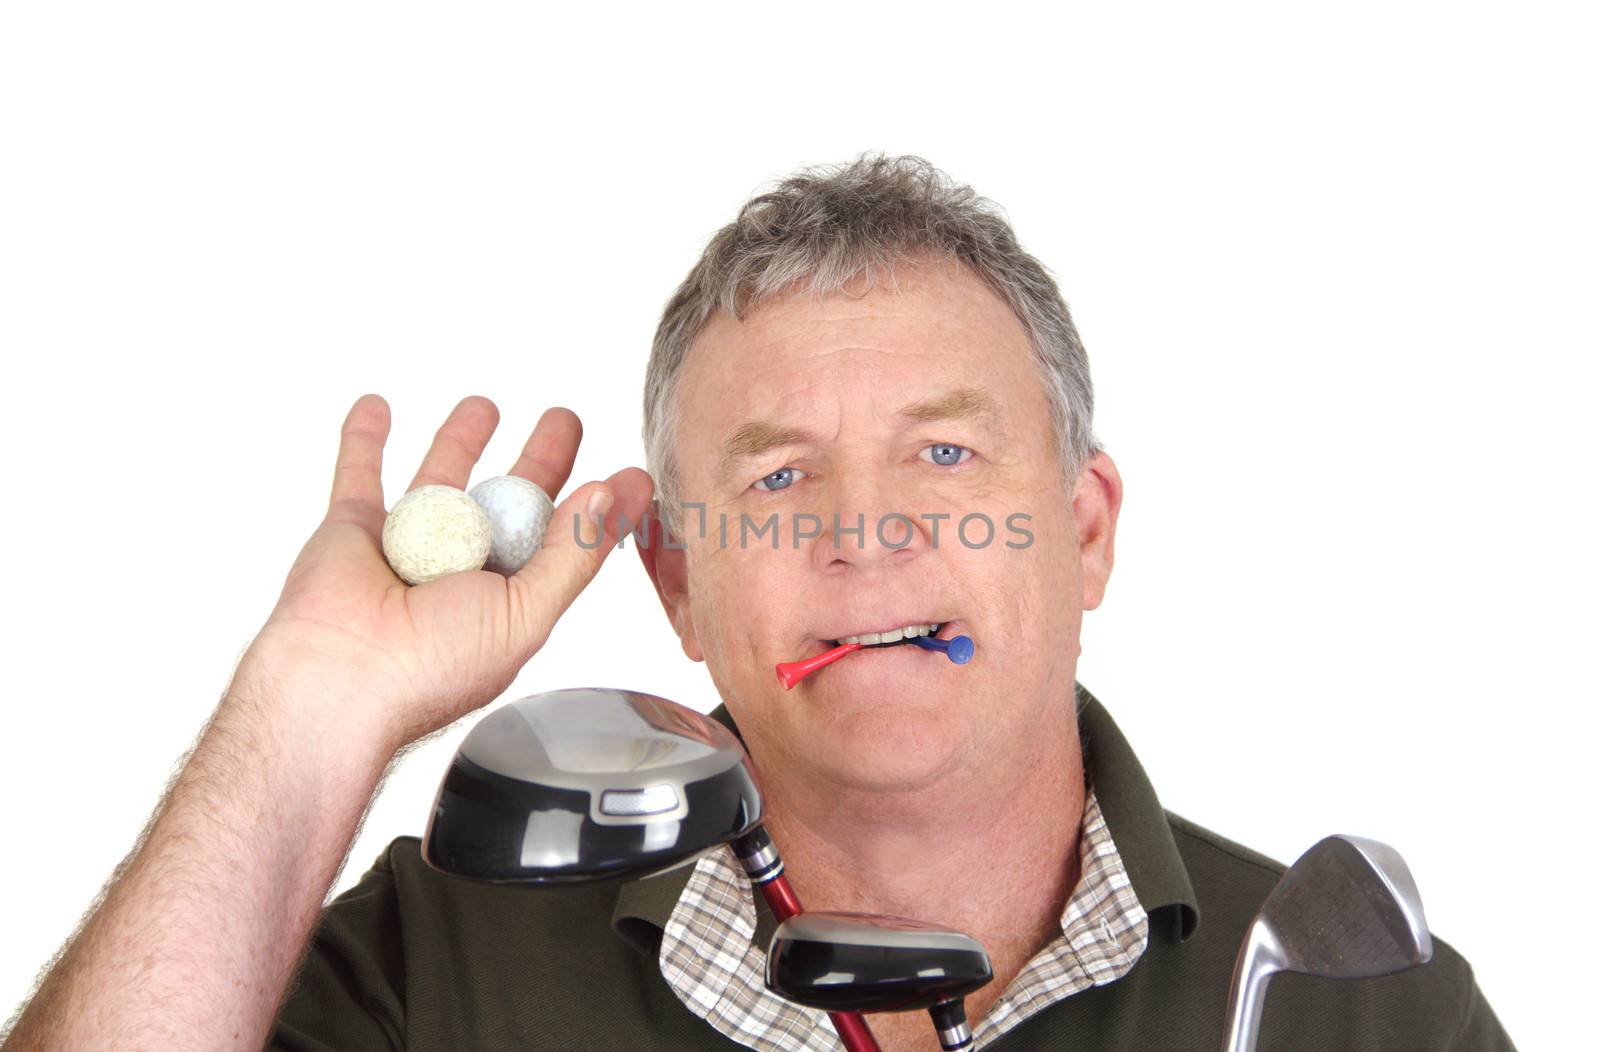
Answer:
(433, 531)
(518, 512)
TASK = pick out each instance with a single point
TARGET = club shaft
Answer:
(853, 1032)
(781, 898)
(950, 1023)
(1247, 993)
(759, 856)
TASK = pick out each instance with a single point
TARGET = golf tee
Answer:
(959, 650)
(792, 672)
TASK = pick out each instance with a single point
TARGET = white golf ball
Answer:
(519, 511)
(433, 531)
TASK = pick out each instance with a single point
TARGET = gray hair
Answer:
(826, 225)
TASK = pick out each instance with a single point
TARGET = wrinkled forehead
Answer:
(852, 360)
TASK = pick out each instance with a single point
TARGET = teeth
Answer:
(893, 635)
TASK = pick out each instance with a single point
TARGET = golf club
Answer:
(863, 962)
(1347, 909)
(600, 784)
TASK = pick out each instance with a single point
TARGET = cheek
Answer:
(739, 599)
(705, 604)
(1038, 584)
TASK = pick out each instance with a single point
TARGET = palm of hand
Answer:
(425, 655)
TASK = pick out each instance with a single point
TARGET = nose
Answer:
(867, 524)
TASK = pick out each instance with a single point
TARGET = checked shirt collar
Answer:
(709, 931)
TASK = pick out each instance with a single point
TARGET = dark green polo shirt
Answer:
(412, 959)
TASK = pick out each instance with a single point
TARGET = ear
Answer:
(665, 560)
(1096, 499)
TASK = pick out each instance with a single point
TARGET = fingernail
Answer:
(599, 504)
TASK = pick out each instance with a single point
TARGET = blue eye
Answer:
(945, 453)
(783, 478)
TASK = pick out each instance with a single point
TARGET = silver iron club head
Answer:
(1347, 909)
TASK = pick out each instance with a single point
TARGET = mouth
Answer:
(941, 636)
(890, 637)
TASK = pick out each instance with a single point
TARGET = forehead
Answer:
(920, 331)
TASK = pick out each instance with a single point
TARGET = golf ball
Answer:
(518, 512)
(433, 531)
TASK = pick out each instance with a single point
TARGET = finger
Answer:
(546, 460)
(574, 550)
(358, 475)
(458, 444)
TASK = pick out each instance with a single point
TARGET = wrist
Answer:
(304, 698)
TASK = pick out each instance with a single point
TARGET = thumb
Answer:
(583, 530)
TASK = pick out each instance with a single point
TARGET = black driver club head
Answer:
(864, 962)
(589, 784)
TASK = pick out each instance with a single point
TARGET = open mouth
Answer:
(890, 637)
(926, 635)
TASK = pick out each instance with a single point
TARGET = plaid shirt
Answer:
(709, 958)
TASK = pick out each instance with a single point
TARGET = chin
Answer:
(885, 747)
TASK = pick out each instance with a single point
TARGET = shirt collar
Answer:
(1133, 814)
(1136, 819)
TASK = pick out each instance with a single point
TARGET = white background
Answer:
(1335, 267)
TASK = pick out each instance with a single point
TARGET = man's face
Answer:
(849, 406)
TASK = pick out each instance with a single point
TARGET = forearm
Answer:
(199, 936)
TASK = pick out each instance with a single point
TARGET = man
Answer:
(861, 372)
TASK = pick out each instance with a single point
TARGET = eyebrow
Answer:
(755, 438)
(962, 402)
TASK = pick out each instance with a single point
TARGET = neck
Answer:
(989, 849)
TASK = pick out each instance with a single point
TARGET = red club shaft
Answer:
(792, 672)
(781, 898)
(759, 856)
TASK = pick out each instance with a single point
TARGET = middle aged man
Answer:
(868, 369)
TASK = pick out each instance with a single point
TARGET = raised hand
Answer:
(399, 661)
